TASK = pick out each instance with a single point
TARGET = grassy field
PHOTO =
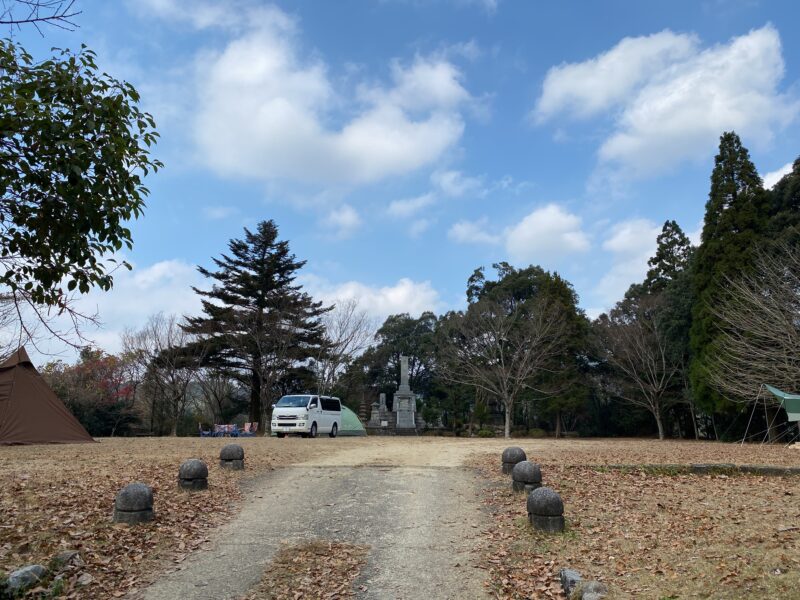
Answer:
(648, 536)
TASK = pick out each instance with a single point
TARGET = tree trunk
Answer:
(558, 424)
(694, 420)
(508, 422)
(657, 415)
(255, 400)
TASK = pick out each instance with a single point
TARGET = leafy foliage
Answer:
(74, 147)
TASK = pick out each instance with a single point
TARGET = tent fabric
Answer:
(791, 402)
(30, 412)
(351, 424)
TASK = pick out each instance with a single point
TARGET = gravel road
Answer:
(421, 521)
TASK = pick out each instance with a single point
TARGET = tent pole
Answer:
(770, 423)
(755, 405)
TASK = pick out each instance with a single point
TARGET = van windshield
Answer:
(294, 401)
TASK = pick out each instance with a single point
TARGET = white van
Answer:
(307, 415)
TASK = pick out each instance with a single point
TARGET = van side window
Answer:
(331, 404)
(313, 403)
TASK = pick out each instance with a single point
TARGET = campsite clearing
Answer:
(716, 535)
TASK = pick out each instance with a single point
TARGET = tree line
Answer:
(682, 354)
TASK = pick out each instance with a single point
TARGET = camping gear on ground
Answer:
(789, 402)
(351, 424)
(30, 412)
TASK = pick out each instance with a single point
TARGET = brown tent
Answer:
(30, 413)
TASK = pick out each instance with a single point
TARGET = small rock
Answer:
(589, 590)
(24, 578)
(64, 558)
(569, 580)
(85, 579)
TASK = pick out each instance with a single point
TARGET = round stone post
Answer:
(134, 504)
(546, 510)
(232, 457)
(526, 476)
(193, 475)
(512, 456)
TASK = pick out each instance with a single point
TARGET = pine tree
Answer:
(671, 257)
(735, 221)
(257, 325)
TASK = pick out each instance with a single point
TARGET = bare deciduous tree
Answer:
(166, 373)
(24, 322)
(58, 13)
(759, 318)
(636, 344)
(217, 389)
(501, 351)
(348, 332)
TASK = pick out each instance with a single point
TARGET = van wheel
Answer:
(334, 430)
(313, 432)
(281, 435)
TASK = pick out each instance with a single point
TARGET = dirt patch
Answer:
(648, 535)
(315, 570)
(55, 498)
(453, 452)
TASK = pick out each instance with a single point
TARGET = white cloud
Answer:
(267, 112)
(410, 206)
(456, 184)
(405, 296)
(545, 234)
(419, 226)
(204, 14)
(631, 243)
(587, 88)
(672, 100)
(773, 177)
(472, 232)
(216, 213)
(344, 220)
(165, 286)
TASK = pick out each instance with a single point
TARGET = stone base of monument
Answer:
(548, 524)
(508, 467)
(529, 487)
(405, 431)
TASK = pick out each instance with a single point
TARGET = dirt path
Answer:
(422, 524)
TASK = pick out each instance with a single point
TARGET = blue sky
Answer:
(400, 144)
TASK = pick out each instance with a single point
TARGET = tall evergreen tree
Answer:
(671, 257)
(257, 325)
(736, 219)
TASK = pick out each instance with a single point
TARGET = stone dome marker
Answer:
(512, 456)
(526, 476)
(232, 457)
(546, 510)
(134, 504)
(193, 475)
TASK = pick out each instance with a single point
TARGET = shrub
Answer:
(486, 433)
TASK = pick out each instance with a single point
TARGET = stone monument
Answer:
(404, 404)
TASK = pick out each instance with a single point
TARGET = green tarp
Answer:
(351, 425)
(791, 402)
